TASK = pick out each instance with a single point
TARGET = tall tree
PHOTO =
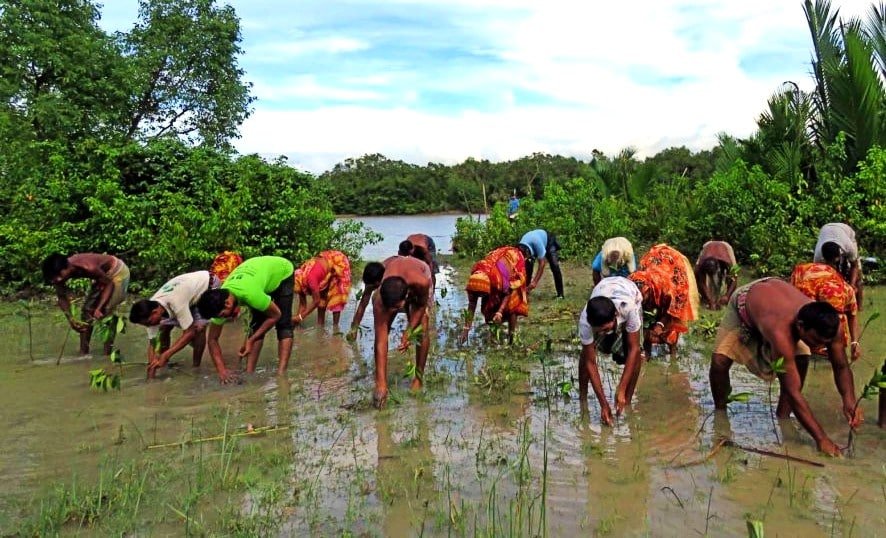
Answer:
(60, 74)
(184, 75)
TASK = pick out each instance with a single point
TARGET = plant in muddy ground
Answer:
(871, 389)
(107, 329)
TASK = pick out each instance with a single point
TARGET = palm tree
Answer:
(849, 67)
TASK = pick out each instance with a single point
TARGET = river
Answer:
(440, 227)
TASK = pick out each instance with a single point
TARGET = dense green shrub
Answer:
(164, 208)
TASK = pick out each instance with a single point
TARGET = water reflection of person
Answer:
(404, 480)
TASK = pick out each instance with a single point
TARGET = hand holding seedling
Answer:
(352, 334)
(606, 415)
(246, 348)
(404, 342)
(829, 447)
(79, 326)
(854, 415)
(159, 362)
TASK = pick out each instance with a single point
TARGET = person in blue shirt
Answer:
(541, 245)
(513, 206)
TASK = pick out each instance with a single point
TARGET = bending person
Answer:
(174, 305)
(616, 258)
(850, 263)
(407, 285)
(499, 282)
(264, 284)
(327, 279)
(667, 283)
(541, 245)
(714, 268)
(613, 321)
(767, 319)
(823, 282)
(110, 281)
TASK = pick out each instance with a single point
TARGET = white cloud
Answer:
(301, 46)
(558, 76)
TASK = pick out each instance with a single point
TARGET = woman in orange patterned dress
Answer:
(823, 282)
(667, 281)
(499, 280)
(327, 279)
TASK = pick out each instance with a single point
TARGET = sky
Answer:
(443, 80)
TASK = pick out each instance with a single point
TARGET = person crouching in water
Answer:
(499, 280)
(667, 283)
(406, 285)
(612, 321)
(767, 319)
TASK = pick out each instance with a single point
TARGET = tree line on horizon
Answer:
(120, 143)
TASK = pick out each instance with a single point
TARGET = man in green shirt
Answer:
(265, 285)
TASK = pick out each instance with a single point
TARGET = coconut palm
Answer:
(849, 66)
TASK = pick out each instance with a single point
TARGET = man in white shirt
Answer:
(174, 305)
(612, 320)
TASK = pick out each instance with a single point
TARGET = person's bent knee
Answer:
(720, 362)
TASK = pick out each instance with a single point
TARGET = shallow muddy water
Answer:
(491, 446)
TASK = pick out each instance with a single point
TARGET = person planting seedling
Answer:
(407, 285)
(110, 281)
(715, 268)
(768, 321)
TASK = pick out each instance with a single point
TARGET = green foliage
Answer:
(755, 528)
(101, 380)
(778, 366)
(164, 208)
(874, 385)
(741, 397)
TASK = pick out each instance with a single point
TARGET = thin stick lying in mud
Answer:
(256, 431)
(729, 442)
(674, 493)
(719, 444)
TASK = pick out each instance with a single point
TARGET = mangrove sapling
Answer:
(872, 388)
(27, 315)
(755, 528)
(108, 329)
(777, 368)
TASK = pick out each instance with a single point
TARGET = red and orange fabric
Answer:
(224, 263)
(332, 280)
(821, 282)
(666, 279)
(497, 276)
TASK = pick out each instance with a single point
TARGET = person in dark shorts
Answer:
(265, 285)
(542, 246)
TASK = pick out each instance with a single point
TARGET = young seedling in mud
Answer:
(755, 528)
(777, 368)
(27, 315)
(871, 389)
(108, 329)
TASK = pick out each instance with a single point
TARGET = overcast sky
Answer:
(428, 80)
